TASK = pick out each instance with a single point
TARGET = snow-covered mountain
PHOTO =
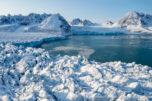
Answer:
(53, 24)
(134, 22)
(135, 19)
(80, 22)
(131, 22)
(32, 18)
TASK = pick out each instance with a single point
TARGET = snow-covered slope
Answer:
(28, 74)
(53, 24)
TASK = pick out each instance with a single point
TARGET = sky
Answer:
(95, 10)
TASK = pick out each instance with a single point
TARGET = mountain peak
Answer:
(135, 19)
(55, 23)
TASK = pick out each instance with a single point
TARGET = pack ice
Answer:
(29, 74)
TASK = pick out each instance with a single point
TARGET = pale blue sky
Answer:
(96, 10)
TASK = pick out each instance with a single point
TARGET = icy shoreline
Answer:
(29, 39)
(31, 74)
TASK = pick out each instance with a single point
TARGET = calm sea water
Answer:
(125, 48)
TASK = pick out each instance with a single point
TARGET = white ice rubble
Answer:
(28, 74)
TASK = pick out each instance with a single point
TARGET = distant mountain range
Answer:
(79, 22)
(132, 21)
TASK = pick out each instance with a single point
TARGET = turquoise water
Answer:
(101, 48)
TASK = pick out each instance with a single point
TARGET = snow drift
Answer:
(31, 74)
